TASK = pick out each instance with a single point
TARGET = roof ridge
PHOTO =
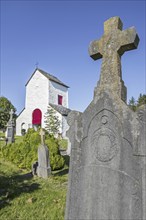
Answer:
(46, 73)
(52, 77)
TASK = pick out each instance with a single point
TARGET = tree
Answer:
(5, 107)
(133, 104)
(141, 100)
(52, 121)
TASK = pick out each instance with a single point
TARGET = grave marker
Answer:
(107, 178)
(10, 128)
(44, 169)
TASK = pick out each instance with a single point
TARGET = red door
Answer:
(37, 117)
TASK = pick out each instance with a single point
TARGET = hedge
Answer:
(24, 153)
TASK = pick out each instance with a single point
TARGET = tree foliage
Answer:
(141, 100)
(5, 107)
(133, 104)
(52, 121)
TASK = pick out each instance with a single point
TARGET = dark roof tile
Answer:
(52, 78)
(49, 76)
(61, 109)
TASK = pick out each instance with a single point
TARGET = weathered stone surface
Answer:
(110, 47)
(107, 177)
(44, 169)
(140, 151)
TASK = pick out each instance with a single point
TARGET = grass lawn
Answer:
(18, 139)
(23, 197)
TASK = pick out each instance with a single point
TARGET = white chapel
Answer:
(43, 90)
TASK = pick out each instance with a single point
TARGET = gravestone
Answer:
(107, 178)
(43, 169)
(10, 128)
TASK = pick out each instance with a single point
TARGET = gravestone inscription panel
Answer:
(9, 134)
(107, 174)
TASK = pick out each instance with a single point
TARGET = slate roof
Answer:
(61, 109)
(20, 112)
(49, 76)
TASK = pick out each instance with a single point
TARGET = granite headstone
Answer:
(107, 178)
(43, 169)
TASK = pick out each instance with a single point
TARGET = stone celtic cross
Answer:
(107, 178)
(42, 134)
(110, 47)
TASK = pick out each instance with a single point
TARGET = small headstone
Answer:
(10, 128)
(44, 169)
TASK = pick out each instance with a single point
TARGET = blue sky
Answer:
(56, 34)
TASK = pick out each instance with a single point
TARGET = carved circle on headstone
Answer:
(105, 144)
(104, 119)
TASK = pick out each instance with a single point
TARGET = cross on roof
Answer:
(42, 134)
(111, 47)
(37, 64)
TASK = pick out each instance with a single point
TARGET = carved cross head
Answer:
(110, 47)
(42, 134)
(114, 39)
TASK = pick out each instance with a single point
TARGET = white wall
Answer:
(37, 96)
(37, 92)
(55, 90)
(22, 118)
(65, 126)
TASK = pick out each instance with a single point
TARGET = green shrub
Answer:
(35, 139)
(28, 135)
(24, 153)
(19, 154)
(56, 160)
(63, 144)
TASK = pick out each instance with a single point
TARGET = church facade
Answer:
(43, 90)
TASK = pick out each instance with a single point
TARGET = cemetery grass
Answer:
(25, 197)
(18, 139)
